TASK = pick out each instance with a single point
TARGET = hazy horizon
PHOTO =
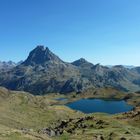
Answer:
(105, 32)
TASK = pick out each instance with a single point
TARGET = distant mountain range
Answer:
(126, 66)
(43, 72)
(4, 66)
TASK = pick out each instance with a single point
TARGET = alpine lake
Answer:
(93, 105)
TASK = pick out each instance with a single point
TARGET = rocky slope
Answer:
(44, 72)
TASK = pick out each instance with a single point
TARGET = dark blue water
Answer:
(100, 105)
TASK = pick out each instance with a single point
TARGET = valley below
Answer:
(24, 116)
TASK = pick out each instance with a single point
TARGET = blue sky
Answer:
(102, 31)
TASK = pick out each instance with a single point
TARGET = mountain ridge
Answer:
(44, 72)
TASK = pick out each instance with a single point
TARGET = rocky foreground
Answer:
(27, 117)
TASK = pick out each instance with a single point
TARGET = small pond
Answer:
(100, 105)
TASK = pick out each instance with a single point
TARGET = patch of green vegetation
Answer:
(23, 115)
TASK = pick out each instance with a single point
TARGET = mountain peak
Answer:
(81, 62)
(40, 55)
(119, 67)
(42, 48)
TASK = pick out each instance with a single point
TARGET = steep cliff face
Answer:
(44, 72)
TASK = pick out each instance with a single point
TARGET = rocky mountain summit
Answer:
(44, 72)
(40, 56)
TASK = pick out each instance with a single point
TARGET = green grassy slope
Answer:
(23, 111)
(22, 115)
